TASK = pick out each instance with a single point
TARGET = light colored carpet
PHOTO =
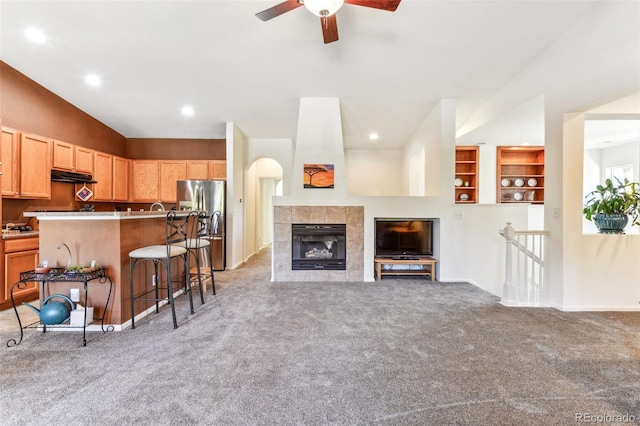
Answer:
(399, 351)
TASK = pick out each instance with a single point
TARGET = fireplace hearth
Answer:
(318, 246)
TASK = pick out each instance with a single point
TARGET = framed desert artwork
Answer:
(318, 176)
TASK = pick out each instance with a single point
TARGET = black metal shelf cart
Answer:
(62, 275)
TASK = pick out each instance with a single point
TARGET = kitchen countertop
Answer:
(111, 215)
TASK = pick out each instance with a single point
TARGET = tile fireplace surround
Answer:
(284, 216)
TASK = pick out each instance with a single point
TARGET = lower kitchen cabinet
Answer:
(20, 255)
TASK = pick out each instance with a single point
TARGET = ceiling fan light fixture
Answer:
(323, 8)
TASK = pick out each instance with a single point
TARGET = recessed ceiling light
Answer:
(187, 111)
(373, 136)
(35, 35)
(93, 80)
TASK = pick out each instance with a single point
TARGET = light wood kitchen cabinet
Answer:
(197, 169)
(217, 169)
(84, 159)
(20, 255)
(73, 158)
(145, 176)
(10, 163)
(171, 172)
(63, 156)
(35, 166)
(206, 169)
(120, 179)
(103, 175)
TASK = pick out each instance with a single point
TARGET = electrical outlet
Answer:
(74, 294)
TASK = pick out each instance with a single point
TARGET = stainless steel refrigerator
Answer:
(208, 195)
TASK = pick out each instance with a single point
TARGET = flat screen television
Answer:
(404, 238)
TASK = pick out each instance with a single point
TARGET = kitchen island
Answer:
(107, 238)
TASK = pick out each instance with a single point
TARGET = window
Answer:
(619, 172)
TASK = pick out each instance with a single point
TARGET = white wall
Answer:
(279, 150)
(259, 188)
(595, 61)
(374, 172)
(468, 244)
(319, 141)
(487, 166)
(601, 272)
(425, 149)
(627, 153)
(236, 146)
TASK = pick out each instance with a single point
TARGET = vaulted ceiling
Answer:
(388, 69)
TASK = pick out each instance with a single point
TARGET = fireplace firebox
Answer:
(319, 246)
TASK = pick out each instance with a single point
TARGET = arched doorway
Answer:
(264, 181)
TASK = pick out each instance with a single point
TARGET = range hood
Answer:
(71, 177)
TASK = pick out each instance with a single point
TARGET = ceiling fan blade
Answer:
(329, 28)
(390, 5)
(278, 9)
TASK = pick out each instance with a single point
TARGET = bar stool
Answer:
(177, 229)
(195, 246)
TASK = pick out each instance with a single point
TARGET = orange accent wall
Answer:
(176, 149)
(27, 106)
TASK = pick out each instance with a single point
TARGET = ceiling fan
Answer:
(326, 10)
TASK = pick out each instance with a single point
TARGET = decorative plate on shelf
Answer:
(505, 182)
(518, 196)
(458, 182)
(532, 182)
(464, 197)
(519, 182)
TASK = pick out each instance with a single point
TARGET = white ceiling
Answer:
(600, 134)
(388, 69)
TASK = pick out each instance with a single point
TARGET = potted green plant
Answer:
(611, 205)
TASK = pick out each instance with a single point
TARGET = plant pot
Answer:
(611, 223)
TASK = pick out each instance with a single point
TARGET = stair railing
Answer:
(524, 267)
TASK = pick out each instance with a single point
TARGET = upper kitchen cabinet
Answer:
(103, 175)
(84, 159)
(112, 176)
(63, 156)
(197, 169)
(120, 179)
(35, 166)
(217, 169)
(206, 169)
(145, 175)
(10, 164)
(520, 172)
(69, 157)
(171, 172)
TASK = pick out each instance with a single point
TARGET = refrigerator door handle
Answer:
(216, 216)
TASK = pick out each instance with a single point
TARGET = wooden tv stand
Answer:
(428, 266)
